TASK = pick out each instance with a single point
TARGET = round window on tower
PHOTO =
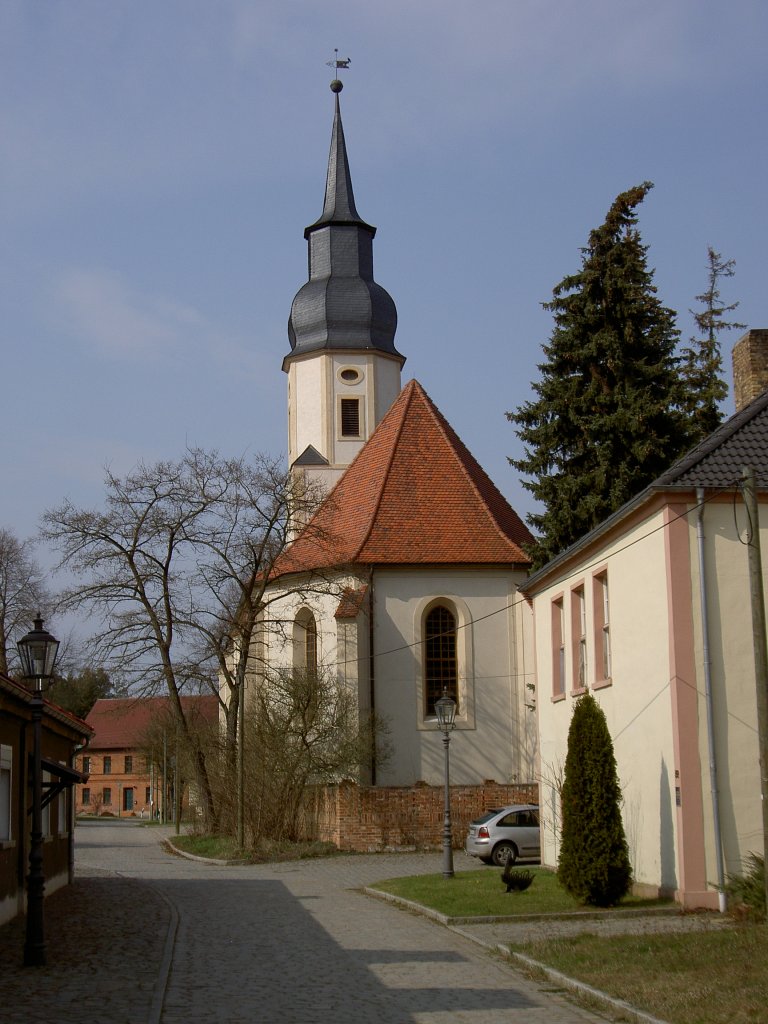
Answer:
(350, 375)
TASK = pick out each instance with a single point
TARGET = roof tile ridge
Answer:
(406, 395)
(446, 430)
(722, 433)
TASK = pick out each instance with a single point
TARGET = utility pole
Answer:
(757, 602)
(241, 764)
(164, 817)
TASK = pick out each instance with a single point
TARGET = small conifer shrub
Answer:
(594, 860)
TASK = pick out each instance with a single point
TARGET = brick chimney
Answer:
(750, 367)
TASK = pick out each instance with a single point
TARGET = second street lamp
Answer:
(37, 651)
(445, 709)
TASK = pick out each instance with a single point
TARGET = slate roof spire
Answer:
(339, 207)
(341, 306)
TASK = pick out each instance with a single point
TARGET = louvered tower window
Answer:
(350, 417)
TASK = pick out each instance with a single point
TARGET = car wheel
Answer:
(504, 853)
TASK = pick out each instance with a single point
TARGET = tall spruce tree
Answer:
(608, 417)
(701, 363)
(594, 862)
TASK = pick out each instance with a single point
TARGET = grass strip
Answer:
(265, 852)
(702, 977)
(481, 894)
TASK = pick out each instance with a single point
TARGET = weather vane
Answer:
(336, 63)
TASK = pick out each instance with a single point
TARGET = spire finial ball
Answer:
(336, 85)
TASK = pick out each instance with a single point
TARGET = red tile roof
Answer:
(413, 496)
(351, 602)
(122, 723)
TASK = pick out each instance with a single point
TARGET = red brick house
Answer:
(130, 761)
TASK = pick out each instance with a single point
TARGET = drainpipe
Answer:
(721, 901)
(371, 669)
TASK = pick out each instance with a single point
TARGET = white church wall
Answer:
(316, 386)
(487, 742)
(306, 420)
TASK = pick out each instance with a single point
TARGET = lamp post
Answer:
(37, 651)
(445, 709)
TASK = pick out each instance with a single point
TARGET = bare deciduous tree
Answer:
(305, 729)
(22, 594)
(177, 566)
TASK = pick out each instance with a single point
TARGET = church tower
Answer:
(343, 368)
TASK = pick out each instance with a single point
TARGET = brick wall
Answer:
(369, 818)
(750, 367)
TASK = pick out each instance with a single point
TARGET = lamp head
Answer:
(445, 709)
(37, 651)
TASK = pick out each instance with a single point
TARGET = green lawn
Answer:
(710, 977)
(481, 893)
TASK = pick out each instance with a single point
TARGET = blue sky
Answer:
(160, 160)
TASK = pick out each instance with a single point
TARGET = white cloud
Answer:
(102, 310)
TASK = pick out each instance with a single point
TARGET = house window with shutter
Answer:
(558, 649)
(579, 639)
(603, 669)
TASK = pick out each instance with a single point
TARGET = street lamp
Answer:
(445, 709)
(37, 651)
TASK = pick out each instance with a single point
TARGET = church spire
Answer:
(341, 307)
(343, 368)
(339, 207)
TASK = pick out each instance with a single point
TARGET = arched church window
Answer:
(310, 645)
(440, 666)
(305, 645)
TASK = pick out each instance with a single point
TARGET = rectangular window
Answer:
(602, 628)
(128, 764)
(107, 765)
(87, 765)
(62, 824)
(350, 417)
(6, 765)
(579, 638)
(86, 796)
(558, 648)
(107, 796)
(147, 794)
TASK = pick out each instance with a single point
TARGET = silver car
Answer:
(504, 834)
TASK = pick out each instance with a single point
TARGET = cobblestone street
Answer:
(146, 936)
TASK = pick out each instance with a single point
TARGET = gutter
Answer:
(721, 900)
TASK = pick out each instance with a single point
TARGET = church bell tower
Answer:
(343, 368)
